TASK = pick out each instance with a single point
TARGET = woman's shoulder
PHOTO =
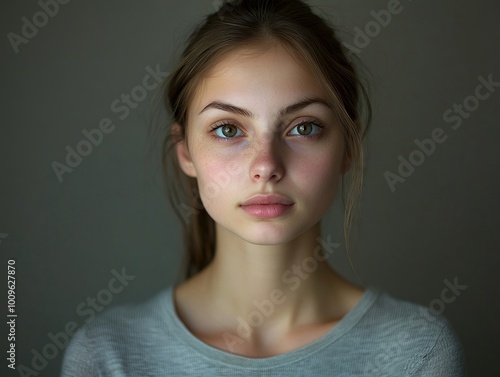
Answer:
(118, 331)
(388, 313)
(419, 334)
(131, 315)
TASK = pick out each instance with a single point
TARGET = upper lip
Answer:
(267, 199)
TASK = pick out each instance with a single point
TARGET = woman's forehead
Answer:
(249, 73)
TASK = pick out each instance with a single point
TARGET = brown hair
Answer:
(244, 23)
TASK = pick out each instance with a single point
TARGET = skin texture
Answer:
(267, 156)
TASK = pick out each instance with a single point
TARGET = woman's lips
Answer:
(261, 199)
(266, 211)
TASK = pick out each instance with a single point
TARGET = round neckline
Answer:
(212, 353)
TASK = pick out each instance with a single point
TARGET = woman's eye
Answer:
(230, 131)
(227, 131)
(305, 129)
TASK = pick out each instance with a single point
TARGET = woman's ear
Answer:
(182, 151)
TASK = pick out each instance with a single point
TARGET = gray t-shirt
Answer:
(380, 336)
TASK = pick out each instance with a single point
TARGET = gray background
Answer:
(111, 213)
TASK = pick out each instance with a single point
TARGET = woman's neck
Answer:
(253, 299)
(289, 285)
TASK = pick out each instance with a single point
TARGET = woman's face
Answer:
(260, 124)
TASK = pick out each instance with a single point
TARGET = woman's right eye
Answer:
(227, 131)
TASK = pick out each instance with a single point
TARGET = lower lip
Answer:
(266, 211)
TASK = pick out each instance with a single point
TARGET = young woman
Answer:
(269, 116)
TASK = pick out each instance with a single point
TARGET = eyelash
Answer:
(227, 123)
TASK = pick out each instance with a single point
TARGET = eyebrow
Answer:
(283, 112)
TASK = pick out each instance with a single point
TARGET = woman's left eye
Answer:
(306, 129)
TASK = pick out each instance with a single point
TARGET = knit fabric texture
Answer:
(380, 336)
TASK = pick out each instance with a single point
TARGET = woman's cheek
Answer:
(320, 168)
(319, 180)
(218, 176)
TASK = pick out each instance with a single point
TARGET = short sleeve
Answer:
(445, 359)
(78, 360)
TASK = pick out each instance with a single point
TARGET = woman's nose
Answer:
(267, 162)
